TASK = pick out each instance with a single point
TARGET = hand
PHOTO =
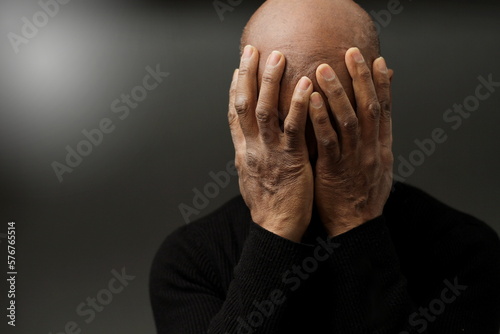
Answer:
(353, 172)
(275, 175)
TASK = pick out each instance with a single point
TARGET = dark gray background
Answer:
(115, 209)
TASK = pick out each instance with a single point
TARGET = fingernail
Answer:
(247, 52)
(357, 56)
(382, 66)
(327, 72)
(274, 58)
(304, 83)
(316, 100)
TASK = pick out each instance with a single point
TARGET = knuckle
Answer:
(299, 102)
(365, 74)
(329, 143)
(371, 162)
(323, 119)
(373, 110)
(385, 110)
(262, 117)
(269, 78)
(384, 85)
(252, 159)
(238, 164)
(243, 71)
(291, 129)
(337, 92)
(350, 124)
(241, 104)
(231, 117)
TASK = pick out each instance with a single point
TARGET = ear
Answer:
(391, 74)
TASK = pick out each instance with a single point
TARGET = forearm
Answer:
(258, 295)
(370, 293)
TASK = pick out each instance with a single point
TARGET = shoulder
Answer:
(228, 222)
(435, 241)
(411, 208)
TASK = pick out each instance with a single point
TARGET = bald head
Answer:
(310, 33)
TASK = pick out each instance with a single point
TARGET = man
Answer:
(321, 240)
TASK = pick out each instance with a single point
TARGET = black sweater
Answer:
(422, 267)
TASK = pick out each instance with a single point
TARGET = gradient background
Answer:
(115, 209)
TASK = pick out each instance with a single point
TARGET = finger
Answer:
(295, 121)
(246, 91)
(232, 116)
(368, 107)
(266, 112)
(328, 144)
(382, 81)
(391, 74)
(342, 110)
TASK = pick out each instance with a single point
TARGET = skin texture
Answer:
(341, 163)
(310, 33)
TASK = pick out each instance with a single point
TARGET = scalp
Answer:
(309, 33)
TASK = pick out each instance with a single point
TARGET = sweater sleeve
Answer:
(370, 293)
(362, 282)
(186, 298)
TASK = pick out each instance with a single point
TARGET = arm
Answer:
(276, 182)
(367, 291)
(275, 174)
(370, 293)
(186, 291)
(353, 178)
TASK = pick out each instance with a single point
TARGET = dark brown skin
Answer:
(352, 174)
(310, 33)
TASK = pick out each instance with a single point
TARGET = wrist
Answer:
(336, 226)
(291, 230)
